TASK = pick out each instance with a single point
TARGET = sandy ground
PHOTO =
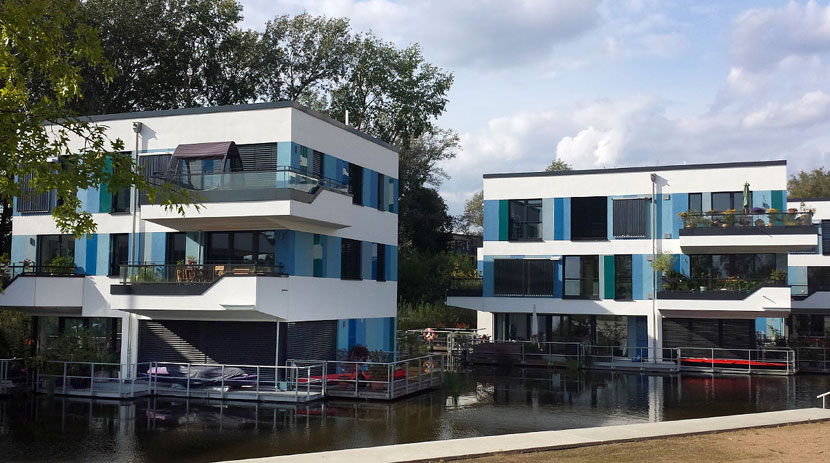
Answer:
(802, 443)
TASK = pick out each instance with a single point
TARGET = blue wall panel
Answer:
(637, 277)
(303, 254)
(488, 277)
(102, 262)
(680, 203)
(90, 254)
(557, 278)
(285, 250)
(393, 263)
(559, 218)
(491, 220)
(23, 247)
(333, 257)
(284, 150)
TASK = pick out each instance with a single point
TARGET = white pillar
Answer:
(484, 322)
(655, 336)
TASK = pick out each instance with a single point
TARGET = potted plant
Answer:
(729, 218)
(62, 265)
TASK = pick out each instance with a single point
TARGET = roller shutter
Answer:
(315, 340)
(708, 333)
(240, 343)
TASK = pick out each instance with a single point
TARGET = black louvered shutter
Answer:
(230, 343)
(152, 167)
(315, 340)
(630, 218)
(30, 200)
(825, 237)
(538, 277)
(258, 157)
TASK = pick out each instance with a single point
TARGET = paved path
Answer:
(546, 440)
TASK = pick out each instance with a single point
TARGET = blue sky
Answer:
(611, 83)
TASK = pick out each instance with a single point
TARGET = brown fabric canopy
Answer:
(196, 151)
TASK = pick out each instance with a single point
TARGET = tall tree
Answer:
(393, 94)
(46, 47)
(472, 220)
(169, 54)
(812, 184)
(302, 57)
(419, 160)
(423, 222)
(558, 165)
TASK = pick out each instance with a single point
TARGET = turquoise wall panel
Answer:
(285, 250)
(284, 150)
(638, 282)
(557, 278)
(393, 263)
(547, 219)
(491, 220)
(609, 217)
(333, 257)
(558, 218)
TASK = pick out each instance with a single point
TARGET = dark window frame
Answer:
(381, 191)
(618, 278)
(381, 262)
(171, 254)
(625, 224)
(699, 197)
(256, 252)
(114, 262)
(523, 277)
(351, 259)
(735, 200)
(356, 183)
(582, 278)
(589, 218)
(64, 248)
(518, 230)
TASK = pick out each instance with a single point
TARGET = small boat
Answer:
(200, 376)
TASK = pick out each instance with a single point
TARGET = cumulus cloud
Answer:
(481, 34)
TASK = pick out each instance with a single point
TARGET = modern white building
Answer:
(291, 254)
(809, 275)
(568, 256)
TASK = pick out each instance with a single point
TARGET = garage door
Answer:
(696, 332)
(240, 343)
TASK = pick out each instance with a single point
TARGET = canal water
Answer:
(479, 403)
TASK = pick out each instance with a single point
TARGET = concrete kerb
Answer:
(455, 449)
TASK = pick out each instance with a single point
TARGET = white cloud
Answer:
(480, 34)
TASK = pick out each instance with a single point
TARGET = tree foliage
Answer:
(472, 220)
(423, 222)
(47, 47)
(558, 165)
(812, 184)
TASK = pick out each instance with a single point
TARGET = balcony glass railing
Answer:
(715, 288)
(755, 218)
(227, 186)
(11, 271)
(200, 274)
(466, 287)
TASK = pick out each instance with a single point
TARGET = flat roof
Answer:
(240, 107)
(619, 170)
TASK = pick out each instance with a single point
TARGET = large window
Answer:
(121, 200)
(176, 251)
(711, 270)
(51, 246)
(581, 277)
(589, 218)
(356, 183)
(696, 202)
(630, 217)
(525, 219)
(729, 200)
(350, 262)
(522, 277)
(622, 278)
(119, 252)
(249, 247)
(818, 279)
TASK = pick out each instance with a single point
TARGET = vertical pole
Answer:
(258, 375)
(91, 377)
(64, 377)
(187, 391)
(222, 387)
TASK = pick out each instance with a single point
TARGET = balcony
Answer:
(42, 290)
(184, 279)
(726, 298)
(243, 292)
(279, 198)
(468, 287)
(728, 289)
(716, 232)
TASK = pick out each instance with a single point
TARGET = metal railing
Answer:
(9, 272)
(559, 352)
(716, 288)
(749, 361)
(92, 379)
(380, 380)
(297, 383)
(813, 358)
(257, 180)
(469, 287)
(193, 273)
(734, 219)
(823, 398)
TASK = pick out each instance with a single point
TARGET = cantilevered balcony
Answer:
(279, 198)
(42, 290)
(729, 297)
(730, 232)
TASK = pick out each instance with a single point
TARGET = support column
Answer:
(655, 336)
(485, 320)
